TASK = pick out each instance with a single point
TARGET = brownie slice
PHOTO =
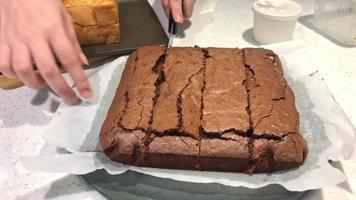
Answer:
(271, 100)
(178, 106)
(141, 88)
(131, 109)
(276, 142)
(225, 96)
(205, 109)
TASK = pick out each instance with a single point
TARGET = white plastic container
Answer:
(337, 19)
(274, 20)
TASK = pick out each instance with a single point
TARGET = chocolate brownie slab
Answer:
(206, 109)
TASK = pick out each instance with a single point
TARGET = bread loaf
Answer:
(95, 21)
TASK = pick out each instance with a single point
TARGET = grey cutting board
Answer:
(134, 185)
(139, 26)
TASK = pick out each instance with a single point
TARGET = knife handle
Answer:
(172, 25)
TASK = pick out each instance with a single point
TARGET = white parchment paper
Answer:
(329, 133)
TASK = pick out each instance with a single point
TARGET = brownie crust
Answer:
(215, 109)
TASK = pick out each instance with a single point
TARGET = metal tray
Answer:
(139, 26)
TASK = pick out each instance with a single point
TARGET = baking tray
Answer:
(139, 26)
(134, 185)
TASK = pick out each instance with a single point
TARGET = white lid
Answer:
(277, 9)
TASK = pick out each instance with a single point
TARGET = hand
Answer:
(181, 9)
(41, 30)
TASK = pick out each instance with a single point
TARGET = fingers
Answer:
(52, 36)
(188, 6)
(50, 72)
(22, 66)
(176, 9)
(68, 56)
(5, 61)
(180, 10)
(165, 5)
(73, 37)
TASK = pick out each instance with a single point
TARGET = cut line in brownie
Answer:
(213, 109)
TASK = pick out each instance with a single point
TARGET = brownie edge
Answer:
(229, 155)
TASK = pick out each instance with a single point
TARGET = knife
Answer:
(172, 30)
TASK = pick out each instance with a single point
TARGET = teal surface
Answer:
(134, 185)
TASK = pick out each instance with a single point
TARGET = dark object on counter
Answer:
(213, 109)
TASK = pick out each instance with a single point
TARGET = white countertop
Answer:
(23, 112)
